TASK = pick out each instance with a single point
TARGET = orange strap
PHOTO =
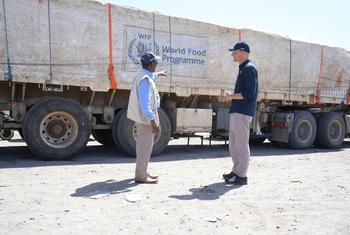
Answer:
(318, 91)
(348, 97)
(111, 74)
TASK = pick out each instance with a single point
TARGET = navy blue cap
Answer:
(149, 57)
(241, 46)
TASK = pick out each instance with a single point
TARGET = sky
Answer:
(326, 22)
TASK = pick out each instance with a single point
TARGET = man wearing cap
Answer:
(242, 111)
(144, 101)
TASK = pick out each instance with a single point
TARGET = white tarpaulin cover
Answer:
(194, 53)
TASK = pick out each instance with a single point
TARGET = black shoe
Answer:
(229, 175)
(237, 180)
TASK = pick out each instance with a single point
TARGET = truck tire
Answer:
(104, 137)
(114, 128)
(56, 129)
(6, 134)
(303, 131)
(331, 130)
(124, 132)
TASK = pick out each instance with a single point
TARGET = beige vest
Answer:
(134, 111)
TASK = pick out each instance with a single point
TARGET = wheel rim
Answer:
(334, 130)
(58, 129)
(305, 131)
(134, 132)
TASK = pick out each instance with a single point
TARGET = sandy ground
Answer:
(289, 192)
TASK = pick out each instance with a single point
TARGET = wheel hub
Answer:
(304, 131)
(335, 130)
(59, 129)
(56, 128)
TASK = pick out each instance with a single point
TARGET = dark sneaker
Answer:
(229, 175)
(237, 180)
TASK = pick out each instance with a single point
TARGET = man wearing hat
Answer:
(144, 101)
(242, 111)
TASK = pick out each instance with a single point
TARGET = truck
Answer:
(66, 69)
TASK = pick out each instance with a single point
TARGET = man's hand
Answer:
(228, 95)
(155, 128)
(162, 73)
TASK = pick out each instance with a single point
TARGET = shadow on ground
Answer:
(207, 192)
(108, 187)
(21, 156)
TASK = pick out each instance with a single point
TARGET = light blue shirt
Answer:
(145, 96)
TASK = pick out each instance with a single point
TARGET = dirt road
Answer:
(289, 192)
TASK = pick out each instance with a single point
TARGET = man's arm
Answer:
(145, 104)
(236, 96)
(249, 83)
(145, 99)
(161, 73)
(248, 90)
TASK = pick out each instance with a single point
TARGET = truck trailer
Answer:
(66, 69)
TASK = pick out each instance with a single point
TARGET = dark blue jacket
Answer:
(247, 84)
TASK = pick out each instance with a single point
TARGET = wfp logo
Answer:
(137, 48)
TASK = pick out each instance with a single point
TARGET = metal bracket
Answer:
(52, 87)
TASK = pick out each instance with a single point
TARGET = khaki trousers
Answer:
(239, 142)
(144, 145)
